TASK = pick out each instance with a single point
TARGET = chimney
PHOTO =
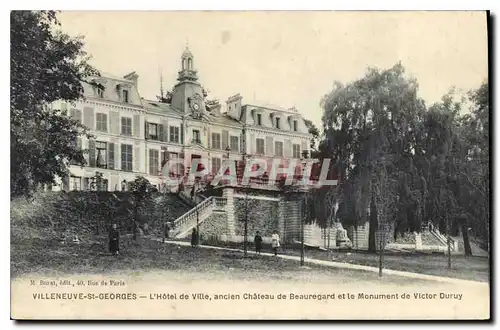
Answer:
(132, 76)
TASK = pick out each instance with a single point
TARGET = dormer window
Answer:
(125, 96)
(278, 123)
(259, 119)
(100, 92)
(295, 126)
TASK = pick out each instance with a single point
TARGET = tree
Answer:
(369, 127)
(405, 163)
(314, 131)
(476, 174)
(46, 65)
(141, 189)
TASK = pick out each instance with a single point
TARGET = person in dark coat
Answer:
(194, 238)
(167, 230)
(114, 240)
(258, 242)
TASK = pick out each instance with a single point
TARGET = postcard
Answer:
(250, 165)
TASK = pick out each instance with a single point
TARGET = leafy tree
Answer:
(142, 191)
(46, 65)
(368, 128)
(314, 131)
(407, 164)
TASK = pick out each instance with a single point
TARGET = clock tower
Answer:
(188, 94)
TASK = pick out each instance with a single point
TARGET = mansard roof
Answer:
(272, 107)
(224, 119)
(111, 88)
(160, 108)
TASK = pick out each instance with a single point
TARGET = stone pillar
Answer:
(418, 241)
(281, 220)
(228, 194)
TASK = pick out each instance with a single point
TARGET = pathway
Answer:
(344, 265)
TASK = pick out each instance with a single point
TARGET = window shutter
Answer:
(269, 146)
(78, 114)
(242, 143)
(88, 118)
(137, 125)
(111, 155)
(136, 158)
(118, 157)
(114, 121)
(146, 130)
(304, 146)
(92, 151)
(225, 139)
(164, 127)
(161, 133)
(182, 134)
(65, 183)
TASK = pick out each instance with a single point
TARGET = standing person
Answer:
(275, 242)
(194, 238)
(193, 193)
(114, 240)
(167, 230)
(258, 242)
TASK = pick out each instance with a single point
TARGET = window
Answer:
(196, 136)
(277, 123)
(125, 95)
(295, 125)
(153, 162)
(77, 144)
(234, 143)
(260, 146)
(153, 131)
(296, 150)
(76, 115)
(102, 159)
(102, 185)
(174, 134)
(175, 165)
(259, 119)
(278, 148)
(127, 157)
(216, 141)
(100, 92)
(216, 164)
(75, 183)
(111, 155)
(163, 158)
(127, 126)
(101, 122)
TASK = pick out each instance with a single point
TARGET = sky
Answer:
(290, 59)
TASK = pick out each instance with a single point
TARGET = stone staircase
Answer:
(183, 225)
(443, 238)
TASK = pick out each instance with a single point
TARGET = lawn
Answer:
(467, 268)
(38, 255)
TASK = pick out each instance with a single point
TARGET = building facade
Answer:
(134, 136)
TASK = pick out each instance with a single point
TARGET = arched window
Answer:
(190, 64)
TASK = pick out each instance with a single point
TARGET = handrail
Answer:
(215, 202)
(198, 208)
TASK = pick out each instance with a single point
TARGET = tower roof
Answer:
(187, 53)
